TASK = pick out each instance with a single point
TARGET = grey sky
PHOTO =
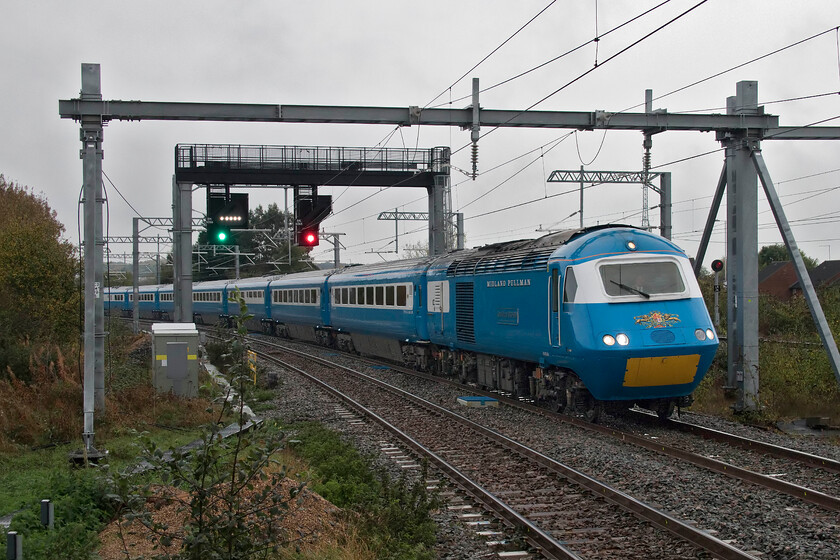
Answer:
(395, 53)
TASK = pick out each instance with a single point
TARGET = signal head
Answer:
(219, 234)
(308, 237)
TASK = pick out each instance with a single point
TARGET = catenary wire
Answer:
(721, 73)
(526, 166)
(558, 57)
(503, 43)
(584, 74)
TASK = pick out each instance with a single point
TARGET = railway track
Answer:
(813, 475)
(814, 479)
(562, 512)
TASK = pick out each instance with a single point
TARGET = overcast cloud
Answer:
(394, 53)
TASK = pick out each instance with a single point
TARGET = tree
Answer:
(39, 296)
(779, 253)
(416, 250)
(271, 248)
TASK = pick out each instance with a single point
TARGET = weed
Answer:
(393, 517)
(228, 498)
(81, 506)
(795, 376)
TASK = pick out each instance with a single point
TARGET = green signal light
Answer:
(221, 236)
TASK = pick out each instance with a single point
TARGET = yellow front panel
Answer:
(661, 370)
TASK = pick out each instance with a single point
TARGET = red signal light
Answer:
(308, 238)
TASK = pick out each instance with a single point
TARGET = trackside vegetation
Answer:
(795, 377)
(231, 489)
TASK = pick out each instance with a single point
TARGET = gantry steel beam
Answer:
(141, 239)
(582, 176)
(458, 224)
(408, 116)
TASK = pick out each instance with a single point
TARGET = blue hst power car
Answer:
(576, 320)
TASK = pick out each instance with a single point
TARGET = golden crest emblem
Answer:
(657, 320)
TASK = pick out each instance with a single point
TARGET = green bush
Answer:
(81, 508)
(393, 516)
(795, 376)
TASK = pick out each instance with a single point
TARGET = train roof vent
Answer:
(494, 263)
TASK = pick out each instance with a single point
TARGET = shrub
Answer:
(229, 499)
(393, 516)
(81, 507)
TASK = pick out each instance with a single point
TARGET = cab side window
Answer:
(570, 286)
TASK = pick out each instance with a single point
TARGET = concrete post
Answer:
(47, 514)
(14, 546)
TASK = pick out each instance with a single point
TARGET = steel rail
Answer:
(754, 445)
(803, 493)
(815, 497)
(641, 510)
(536, 537)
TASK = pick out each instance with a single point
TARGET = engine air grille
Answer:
(464, 312)
(488, 264)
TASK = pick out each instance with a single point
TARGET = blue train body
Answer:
(576, 319)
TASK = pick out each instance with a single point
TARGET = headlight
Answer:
(710, 334)
(700, 334)
(608, 340)
(622, 339)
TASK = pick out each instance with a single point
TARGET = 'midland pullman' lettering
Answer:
(512, 283)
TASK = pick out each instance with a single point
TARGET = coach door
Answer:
(554, 308)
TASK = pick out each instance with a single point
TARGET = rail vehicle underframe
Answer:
(556, 388)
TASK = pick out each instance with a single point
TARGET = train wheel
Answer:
(664, 409)
(560, 401)
(593, 413)
(557, 403)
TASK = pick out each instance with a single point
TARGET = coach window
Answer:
(345, 297)
(402, 296)
(337, 295)
(360, 296)
(570, 286)
(380, 295)
(389, 295)
(369, 295)
(307, 296)
(352, 294)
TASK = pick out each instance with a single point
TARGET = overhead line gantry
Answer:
(740, 131)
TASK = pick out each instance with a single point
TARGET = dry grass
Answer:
(310, 521)
(49, 409)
